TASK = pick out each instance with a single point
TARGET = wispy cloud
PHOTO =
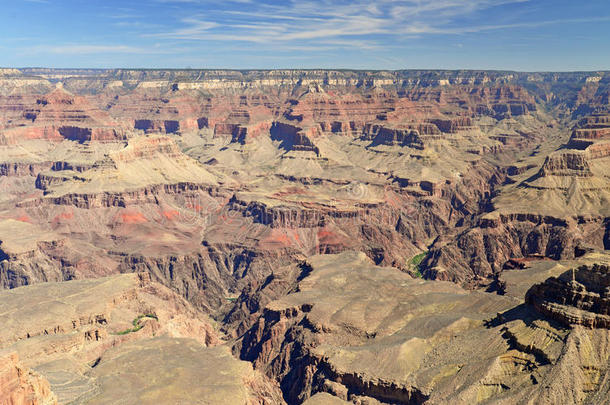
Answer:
(324, 20)
(336, 32)
(492, 27)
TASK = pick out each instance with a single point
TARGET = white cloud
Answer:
(321, 20)
(323, 25)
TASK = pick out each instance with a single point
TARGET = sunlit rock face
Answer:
(577, 297)
(228, 189)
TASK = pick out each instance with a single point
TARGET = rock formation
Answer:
(267, 203)
(577, 297)
(21, 386)
(553, 212)
(359, 333)
(81, 335)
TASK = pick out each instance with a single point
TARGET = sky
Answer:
(523, 35)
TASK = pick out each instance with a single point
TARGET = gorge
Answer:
(320, 236)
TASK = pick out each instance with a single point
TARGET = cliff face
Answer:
(305, 162)
(21, 386)
(577, 297)
(363, 333)
(221, 186)
(558, 211)
(193, 78)
(94, 340)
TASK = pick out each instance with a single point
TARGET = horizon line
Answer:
(309, 69)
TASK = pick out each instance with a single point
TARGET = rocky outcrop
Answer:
(20, 385)
(22, 169)
(292, 138)
(554, 213)
(480, 252)
(510, 109)
(97, 327)
(577, 297)
(357, 333)
(80, 322)
(242, 134)
(343, 327)
(585, 145)
(453, 125)
(593, 128)
(566, 164)
(131, 293)
(381, 135)
(91, 134)
(293, 217)
(108, 199)
(151, 126)
(61, 115)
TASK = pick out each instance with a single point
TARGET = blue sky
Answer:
(529, 35)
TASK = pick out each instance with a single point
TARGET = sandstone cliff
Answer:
(21, 386)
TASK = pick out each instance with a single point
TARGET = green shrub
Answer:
(414, 264)
(137, 325)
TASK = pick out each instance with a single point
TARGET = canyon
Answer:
(312, 236)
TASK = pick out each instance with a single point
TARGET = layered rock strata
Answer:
(577, 297)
